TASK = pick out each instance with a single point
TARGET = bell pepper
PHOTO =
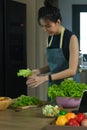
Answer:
(70, 115)
(62, 112)
(61, 120)
(73, 122)
(80, 117)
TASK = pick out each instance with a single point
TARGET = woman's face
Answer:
(50, 27)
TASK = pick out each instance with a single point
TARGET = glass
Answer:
(80, 59)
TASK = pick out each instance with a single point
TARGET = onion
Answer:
(84, 122)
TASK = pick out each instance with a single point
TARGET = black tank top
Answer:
(66, 42)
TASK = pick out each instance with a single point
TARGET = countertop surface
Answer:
(28, 119)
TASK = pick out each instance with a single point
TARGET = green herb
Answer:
(24, 72)
(24, 100)
(68, 88)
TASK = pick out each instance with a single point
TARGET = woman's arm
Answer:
(44, 69)
(41, 70)
(73, 61)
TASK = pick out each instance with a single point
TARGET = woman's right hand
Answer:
(35, 72)
(35, 80)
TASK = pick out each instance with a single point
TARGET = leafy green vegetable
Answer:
(24, 100)
(68, 88)
(24, 72)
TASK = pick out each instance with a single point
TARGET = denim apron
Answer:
(57, 62)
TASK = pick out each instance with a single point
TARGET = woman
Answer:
(62, 50)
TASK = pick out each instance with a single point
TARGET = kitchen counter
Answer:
(28, 119)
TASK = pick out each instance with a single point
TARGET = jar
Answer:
(80, 59)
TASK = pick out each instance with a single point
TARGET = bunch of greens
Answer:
(24, 72)
(24, 100)
(68, 88)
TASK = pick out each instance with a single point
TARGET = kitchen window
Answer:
(79, 22)
(83, 32)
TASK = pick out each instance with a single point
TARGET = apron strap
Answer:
(50, 41)
(61, 38)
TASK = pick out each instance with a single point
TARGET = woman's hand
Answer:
(35, 81)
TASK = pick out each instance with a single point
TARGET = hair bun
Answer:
(48, 3)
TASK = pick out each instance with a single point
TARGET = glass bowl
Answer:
(68, 102)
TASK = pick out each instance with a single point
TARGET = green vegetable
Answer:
(62, 112)
(24, 100)
(50, 111)
(68, 88)
(24, 72)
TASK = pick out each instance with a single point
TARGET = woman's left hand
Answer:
(34, 80)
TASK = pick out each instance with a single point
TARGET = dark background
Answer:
(12, 48)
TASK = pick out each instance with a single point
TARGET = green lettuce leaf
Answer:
(24, 72)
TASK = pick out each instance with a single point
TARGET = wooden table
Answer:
(28, 119)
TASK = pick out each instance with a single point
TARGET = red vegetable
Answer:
(73, 122)
(79, 117)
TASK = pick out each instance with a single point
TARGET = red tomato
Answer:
(73, 122)
(80, 116)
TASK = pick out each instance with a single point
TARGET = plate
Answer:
(25, 107)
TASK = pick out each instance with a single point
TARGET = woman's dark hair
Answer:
(49, 12)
